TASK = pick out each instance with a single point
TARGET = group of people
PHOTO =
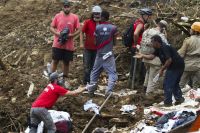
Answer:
(98, 55)
(177, 67)
(100, 35)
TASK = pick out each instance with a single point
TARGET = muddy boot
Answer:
(168, 104)
(179, 101)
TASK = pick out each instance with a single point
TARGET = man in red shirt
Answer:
(64, 51)
(90, 49)
(39, 110)
(145, 15)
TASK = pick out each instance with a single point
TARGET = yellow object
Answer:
(196, 26)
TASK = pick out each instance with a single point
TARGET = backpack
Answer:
(127, 37)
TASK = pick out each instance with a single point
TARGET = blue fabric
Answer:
(171, 85)
(182, 118)
(164, 119)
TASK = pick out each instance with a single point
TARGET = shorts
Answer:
(62, 54)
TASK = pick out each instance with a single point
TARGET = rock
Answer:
(13, 100)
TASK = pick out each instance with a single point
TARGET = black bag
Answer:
(127, 37)
(63, 36)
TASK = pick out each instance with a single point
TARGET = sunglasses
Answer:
(97, 13)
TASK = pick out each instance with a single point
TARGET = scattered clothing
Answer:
(128, 108)
(89, 105)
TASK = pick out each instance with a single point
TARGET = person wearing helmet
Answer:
(152, 66)
(90, 50)
(190, 51)
(174, 65)
(138, 29)
(39, 109)
(64, 52)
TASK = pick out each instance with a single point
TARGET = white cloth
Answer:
(89, 105)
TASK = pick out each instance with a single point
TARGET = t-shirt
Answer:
(105, 33)
(62, 21)
(49, 96)
(89, 28)
(165, 52)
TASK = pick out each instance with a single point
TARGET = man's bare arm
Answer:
(54, 31)
(75, 92)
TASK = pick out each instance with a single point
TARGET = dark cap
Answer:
(65, 2)
(53, 76)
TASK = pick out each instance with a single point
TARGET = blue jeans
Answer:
(88, 61)
(109, 66)
(171, 85)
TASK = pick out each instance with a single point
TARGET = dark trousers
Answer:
(41, 114)
(88, 61)
(171, 85)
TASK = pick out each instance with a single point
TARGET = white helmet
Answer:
(97, 9)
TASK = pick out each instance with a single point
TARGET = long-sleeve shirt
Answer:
(190, 51)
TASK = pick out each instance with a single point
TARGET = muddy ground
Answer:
(25, 49)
